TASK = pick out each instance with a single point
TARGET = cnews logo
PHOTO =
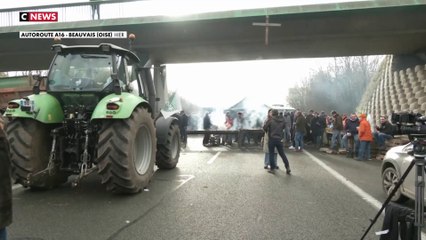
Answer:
(38, 16)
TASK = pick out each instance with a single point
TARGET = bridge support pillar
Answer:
(160, 83)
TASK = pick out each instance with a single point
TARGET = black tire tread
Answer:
(113, 159)
(30, 144)
(165, 159)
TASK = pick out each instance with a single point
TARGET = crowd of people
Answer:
(295, 129)
(353, 133)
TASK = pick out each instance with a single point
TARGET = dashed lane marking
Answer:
(213, 158)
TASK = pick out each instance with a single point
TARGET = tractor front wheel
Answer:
(168, 153)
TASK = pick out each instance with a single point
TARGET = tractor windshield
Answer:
(84, 72)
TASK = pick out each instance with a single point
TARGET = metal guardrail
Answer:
(72, 12)
(248, 131)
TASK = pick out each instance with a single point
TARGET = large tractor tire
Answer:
(30, 145)
(126, 152)
(168, 153)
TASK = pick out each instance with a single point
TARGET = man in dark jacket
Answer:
(350, 138)
(384, 132)
(316, 128)
(183, 125)
(308, 131)
(275, 128)
(300, 129)
(336, 138)
(207, 124)
(5, 186)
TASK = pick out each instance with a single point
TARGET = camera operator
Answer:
(384, 132)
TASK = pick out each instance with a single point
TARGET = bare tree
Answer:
(339, 87)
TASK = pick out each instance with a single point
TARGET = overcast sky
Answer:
(224, 84)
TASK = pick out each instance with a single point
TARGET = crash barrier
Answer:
(242, 136)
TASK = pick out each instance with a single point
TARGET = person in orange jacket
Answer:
(365, 137)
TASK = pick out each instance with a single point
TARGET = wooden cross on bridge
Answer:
(267, 24)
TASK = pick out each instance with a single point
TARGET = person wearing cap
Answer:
(336, 130)
(5, 186)
(275, 129)
(365, 138)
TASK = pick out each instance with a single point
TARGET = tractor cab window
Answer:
(122, 74)
(80, 72)
(135, 87)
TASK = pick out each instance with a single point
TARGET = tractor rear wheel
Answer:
(168, 154)
(30, 145)
(126, 152)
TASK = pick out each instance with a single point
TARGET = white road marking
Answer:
(367, 197)
(183, 181)
(364, 195)
(213, 158)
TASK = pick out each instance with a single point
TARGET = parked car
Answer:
(395, 163)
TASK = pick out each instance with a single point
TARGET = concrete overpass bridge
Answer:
(312, 30)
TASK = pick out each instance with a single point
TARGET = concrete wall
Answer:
(395, 89)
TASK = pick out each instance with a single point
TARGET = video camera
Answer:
(409, 123)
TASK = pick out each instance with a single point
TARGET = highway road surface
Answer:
(215, 193)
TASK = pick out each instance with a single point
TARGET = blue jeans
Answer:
(287, 134)
(298, 140)
(380, 138)
(319, 138)
(336, 137)
(183, 134)
(277, 144)
(3, 234)
(353, 144)
(267, 159)
(364, 150)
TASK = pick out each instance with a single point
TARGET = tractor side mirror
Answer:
(37, 83)
(115, 84)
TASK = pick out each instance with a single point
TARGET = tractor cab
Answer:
(80, 76)
(90, 68)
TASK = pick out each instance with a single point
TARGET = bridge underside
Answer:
(390, 30)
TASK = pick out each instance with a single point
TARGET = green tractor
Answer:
(97, 114)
